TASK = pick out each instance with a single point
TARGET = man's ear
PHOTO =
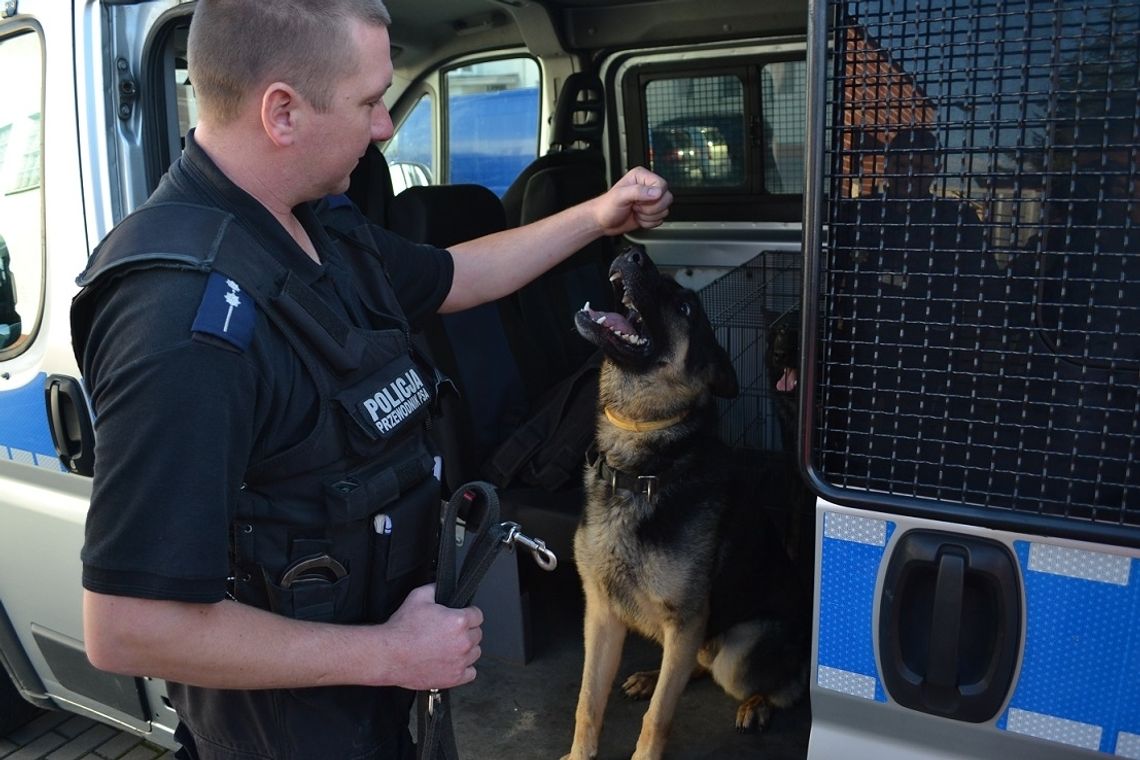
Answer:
(280, 106)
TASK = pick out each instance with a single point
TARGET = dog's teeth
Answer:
(586, 307)
(615, 277)
(601, 320)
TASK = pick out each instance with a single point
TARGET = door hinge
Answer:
(11, 8)
(128, 89)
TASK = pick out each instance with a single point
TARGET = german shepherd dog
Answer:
(662, 549)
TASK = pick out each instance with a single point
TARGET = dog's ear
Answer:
(724, 383)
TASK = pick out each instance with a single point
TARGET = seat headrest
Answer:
(579, 114)
(444, 215)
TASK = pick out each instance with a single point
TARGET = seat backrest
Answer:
(472, 347)
(370, 186)
(576, 138)
(548, 304)
(574, 171)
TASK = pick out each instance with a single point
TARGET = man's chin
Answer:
(340, 188)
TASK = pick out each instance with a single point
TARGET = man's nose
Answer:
(381, 123)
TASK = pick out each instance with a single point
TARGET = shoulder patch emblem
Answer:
(226, 312)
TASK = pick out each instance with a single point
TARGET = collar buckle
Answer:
(647, 484)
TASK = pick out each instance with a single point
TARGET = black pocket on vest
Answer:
(312, 598)
(405, 542)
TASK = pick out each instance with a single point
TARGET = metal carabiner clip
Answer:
(543, 557)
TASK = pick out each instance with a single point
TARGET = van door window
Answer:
(727, 133)
(492, 121)
(696, 130)
(21, 192)
(409, 152)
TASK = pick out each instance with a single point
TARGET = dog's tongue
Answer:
(610, 319)
(788, 380)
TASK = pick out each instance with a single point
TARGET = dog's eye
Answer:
(686, 309)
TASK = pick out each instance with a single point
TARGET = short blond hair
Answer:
(238, 45)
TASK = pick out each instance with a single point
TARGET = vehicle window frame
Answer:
(443, 115)
(30, 327)
(749, 202)
(409, 103)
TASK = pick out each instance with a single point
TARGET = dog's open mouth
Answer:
(623, 330)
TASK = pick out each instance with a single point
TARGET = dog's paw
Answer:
(753, 714)
(641, 685)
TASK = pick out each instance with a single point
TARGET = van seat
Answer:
(472, 346)
(490, 353)
(572, 172)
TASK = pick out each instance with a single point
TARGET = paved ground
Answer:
(63, 736)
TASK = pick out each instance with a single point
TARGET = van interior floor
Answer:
(513, 710)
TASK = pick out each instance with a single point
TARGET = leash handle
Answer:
(479, 503)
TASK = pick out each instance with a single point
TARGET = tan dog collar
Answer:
(637, 426)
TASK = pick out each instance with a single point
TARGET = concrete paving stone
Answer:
(41, 725)
(74, 726)
(7, 747)
(142, 752)
(117, 746)
(38, 747)
(83, 743)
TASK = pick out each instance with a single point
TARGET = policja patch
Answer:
(390, 400)
(226, 312)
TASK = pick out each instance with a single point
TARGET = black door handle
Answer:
(950, 624)
(71, 428)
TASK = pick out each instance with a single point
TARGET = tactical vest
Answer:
(337, 528)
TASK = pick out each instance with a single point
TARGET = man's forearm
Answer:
(225, 645)
(228, 645)
(490, 267)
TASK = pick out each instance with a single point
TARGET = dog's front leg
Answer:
(678, 661)
(605, 636)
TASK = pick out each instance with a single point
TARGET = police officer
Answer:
(264, 514)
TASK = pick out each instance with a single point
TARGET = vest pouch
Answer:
(316, 596)
(405, 539)
(390, 401)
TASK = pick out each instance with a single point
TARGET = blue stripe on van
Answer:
(1078, 683)
(853, 549)
(24, 433)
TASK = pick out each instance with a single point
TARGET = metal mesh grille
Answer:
(981, 283)
(696, 130)
(748, 308)
(783, 84)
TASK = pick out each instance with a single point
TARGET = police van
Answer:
(915, 226)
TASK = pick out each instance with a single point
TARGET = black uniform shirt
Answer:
(179, 414)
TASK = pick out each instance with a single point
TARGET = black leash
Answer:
(477, 503)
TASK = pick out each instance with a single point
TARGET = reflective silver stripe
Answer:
(1071, 732)
(861, 530)
(855, 684)
(1128, 745)
(1078, 563)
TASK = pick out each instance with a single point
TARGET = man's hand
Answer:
(639, 199)
(432, 646)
